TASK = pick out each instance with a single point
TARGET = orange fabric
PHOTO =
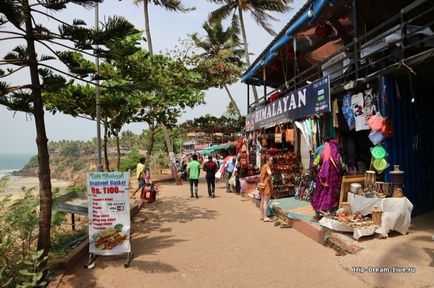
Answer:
(264, 178)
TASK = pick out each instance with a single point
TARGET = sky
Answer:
(18, 129)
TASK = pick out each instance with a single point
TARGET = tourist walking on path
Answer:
(140, 171)
(328, 180)
(265, 188)
(193, 174)
(210, 167)
(230, 166)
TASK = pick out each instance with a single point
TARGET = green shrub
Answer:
(19, 261)
(78, 164)
(130, 162)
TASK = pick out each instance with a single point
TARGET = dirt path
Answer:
(183, 242)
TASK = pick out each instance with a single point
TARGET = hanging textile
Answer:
(359, 112)
(335, 111)
(347, 111)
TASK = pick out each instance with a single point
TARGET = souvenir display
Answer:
(376, 215)
(397, 176)
(285, 169)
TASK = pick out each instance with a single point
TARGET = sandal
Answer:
(268, 220)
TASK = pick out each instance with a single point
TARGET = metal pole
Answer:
(98, 116)
(355, 39)
(248, 98)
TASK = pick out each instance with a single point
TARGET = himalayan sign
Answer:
(304, 102)
(109, 212)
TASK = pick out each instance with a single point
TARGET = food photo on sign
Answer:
(109, 238)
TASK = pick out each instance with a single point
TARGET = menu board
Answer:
(109, 212)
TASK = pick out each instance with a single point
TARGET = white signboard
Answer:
(109, 212)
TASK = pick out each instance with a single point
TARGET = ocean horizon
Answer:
(13, 162)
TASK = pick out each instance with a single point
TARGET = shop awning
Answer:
(308, 14)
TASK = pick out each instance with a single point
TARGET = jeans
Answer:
(228, 176)
(210, 181)
(194, 182)
(237, 185)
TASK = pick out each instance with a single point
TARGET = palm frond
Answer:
(235, 29)
(280, 6)
(173, 5)
(262, 21)
(220, 13)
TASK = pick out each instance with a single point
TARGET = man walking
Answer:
(230, 166)
(210, 167)
(140, 170)
(193, 172)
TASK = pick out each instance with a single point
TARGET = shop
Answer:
(374, 106)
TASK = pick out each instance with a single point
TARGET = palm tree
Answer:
(259, 10)
(170, 5)
(222, 45)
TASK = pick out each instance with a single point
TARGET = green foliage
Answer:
(20, 262)
(131, 161)
(63, 242)
(31, 274)
(4, 181)
(70, 149)
(78, 165)
(159, 161)
(18, 233)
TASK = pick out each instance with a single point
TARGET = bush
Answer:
(19, 261)
(78, 165)
(159, 160)
(130, 162)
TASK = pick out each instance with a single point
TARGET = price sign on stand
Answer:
(109, 215)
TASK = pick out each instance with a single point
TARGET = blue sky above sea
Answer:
(13, 162)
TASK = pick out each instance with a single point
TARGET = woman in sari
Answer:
(328, 179)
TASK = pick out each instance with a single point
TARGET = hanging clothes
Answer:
(347, 111)
(357, 102)
(335, 111)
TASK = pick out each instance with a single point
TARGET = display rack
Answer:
(286, 166)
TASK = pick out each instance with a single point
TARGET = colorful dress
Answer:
(328, 179)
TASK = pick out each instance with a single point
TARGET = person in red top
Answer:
(210, 167)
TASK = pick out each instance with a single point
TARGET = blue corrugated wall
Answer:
(412, 146)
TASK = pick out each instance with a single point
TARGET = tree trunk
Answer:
(246, 48)
(44, 173)
(172, 160)
(165, 132)
(118, 151)
(150, 145)
(232, 100)
(147, 27)
(106, 160)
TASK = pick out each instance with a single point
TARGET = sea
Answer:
(13, 162)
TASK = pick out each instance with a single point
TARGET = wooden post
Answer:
(73, 221)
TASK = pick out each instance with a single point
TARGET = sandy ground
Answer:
(183, 242)
(16, 184)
